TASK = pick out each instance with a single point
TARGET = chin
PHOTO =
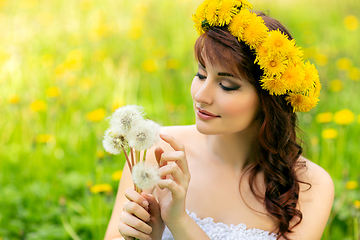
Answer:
(206, 130)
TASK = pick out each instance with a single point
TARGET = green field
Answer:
(66, 65)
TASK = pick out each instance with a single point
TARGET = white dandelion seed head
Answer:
(114, 140)
(126, 117)
(144, 135)
(145, 176)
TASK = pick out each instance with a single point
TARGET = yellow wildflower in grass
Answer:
(96, 115)
(357, 204)
(52, 92)
(116, 176)
(359, 118)
(324, 117)
(321, 59)
(344, 117)
(74, 60)
(351, 22)
(99, 188)
(136, 29)
(336, 85)
(350, 185)
(172, 64)
(45, 138)
(343, 63)
(14, 99)
(38, 106)
(314, 141)
(329, 133)
(100, 154)
(354, 73)
(149, 65)
(89, 183)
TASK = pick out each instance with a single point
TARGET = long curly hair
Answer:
(277, 149)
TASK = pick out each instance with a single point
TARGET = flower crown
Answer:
(285, 72)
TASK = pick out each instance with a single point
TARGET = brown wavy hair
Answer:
(277, 149)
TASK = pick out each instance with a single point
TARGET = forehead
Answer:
(206, 61)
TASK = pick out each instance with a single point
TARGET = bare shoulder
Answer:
(315, 201)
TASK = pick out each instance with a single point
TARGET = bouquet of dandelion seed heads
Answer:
(131, 134)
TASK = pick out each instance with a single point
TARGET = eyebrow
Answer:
(224, 74)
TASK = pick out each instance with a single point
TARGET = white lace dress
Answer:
(221, 231)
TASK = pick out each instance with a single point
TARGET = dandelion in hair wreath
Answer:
(131, 134)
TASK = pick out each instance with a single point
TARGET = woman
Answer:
(248, 178)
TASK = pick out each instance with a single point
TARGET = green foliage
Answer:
(66, 65)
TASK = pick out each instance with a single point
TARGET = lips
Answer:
(206, 114)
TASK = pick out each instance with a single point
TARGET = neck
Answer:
(234, 150)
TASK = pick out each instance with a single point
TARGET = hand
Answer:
(141, 217)
(175, 178)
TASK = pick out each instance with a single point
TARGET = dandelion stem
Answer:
(144, 156)
(137, 156)
(127, 159)
(132, 156)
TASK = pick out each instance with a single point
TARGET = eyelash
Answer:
(227, 89)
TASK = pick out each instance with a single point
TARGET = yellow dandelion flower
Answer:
(14, 99)
(302, 103)
(278, 42)
(100, 154)
(314, 141)
(329, 133)
(272, 65)
(324, 117)
(343, 63)
(350, 185)
(354, 73)
(255, 33)
(240, 22)
(98, 188)
(344, 117)
(357, 204)
(274, 85)
(38, 106)
(243, 4)
(172, 64)
(74, 60)
(45, 138)
(96, 115)
(116, 176)
(336, 85)
(52, 92)
(311, 76)
(351, 22)
(149, 65)
(358, 118)
(294, 77)
(321, 59)
(211, 13)
(226, 12)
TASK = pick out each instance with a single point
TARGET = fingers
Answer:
(130, 226)
(178, 157)
(175, 144)
(158, 152)
(136, 210)
(177, 191)
(154, 208)
(134, 196)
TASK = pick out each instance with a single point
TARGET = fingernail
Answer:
(145, 203)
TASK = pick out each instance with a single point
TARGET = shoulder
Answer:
(315, 200)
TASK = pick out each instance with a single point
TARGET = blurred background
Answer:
(67, 65)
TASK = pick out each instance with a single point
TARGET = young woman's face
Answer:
(223, 103)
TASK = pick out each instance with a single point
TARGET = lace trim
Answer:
(240, 227)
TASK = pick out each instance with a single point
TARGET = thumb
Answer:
(154, 207)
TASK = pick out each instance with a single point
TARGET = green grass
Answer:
(83, 55)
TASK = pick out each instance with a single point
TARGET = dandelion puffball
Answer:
(127, 117)
(114, 140)
(144, 135)
(145, 176)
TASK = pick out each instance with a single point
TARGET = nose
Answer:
(204, 92)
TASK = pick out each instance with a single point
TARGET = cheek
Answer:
(245, 108)
(194, 88)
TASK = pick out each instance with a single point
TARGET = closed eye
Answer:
(228, 89)
(200, 76)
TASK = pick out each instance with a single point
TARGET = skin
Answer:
(192, 159)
